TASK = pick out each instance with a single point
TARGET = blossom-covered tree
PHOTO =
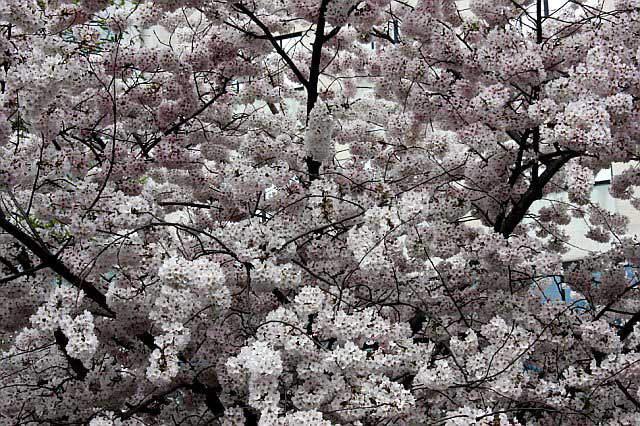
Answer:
(183, 241)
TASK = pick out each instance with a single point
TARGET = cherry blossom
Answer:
(330, 212)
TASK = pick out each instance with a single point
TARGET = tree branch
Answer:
(627, 328)
(75, 364)
(211, 393)
(178, 125)
(506, 223)
(55, 264)
(265, 37)
(316, 56)
(626, 393)
(274, 42)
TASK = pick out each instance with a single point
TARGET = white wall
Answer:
(601, 197)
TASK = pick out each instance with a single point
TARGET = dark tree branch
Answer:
(506, 223)
(19, 274)
(282, 298)
(274, 42)
(264, 36)
(313, 166)
(148, 340)
(175, 128)
(186, 204)
(316, 56)
(55, 264)
(628, 395)
(311, 84)
(75, 364)
(627, 328)
(211, 393)
(144, 406)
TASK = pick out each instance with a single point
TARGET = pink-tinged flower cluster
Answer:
(318, 212)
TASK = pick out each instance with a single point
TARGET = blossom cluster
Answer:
(332, 212)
